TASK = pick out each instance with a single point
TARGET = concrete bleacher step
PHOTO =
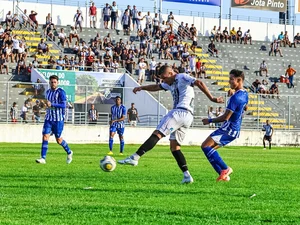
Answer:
(46, 57)
(268, 114)
(54, 51)
(35, 44)
(256, 108)
(24, 32)
(277, 126)
(255, 102)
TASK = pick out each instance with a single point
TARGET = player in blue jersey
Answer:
(118, 113)
(230, 130)
(268, 135)
(54, 119)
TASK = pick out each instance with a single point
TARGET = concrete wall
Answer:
(29, 133)
(63, 15)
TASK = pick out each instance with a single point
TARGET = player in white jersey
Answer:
(178, 120)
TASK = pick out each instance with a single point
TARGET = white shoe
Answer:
(187, 180)
(41, 161)
(70, 157)
(129, 161)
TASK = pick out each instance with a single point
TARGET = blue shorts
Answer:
(221, 137)
(114, 129)
(56, 127)
(106, 18)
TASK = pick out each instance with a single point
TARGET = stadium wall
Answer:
(63, 15)
(30, 133)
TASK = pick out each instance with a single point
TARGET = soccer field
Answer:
(151, 193)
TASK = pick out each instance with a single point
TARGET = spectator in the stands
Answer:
(211, 114)
(38, 88)
(51, 63)
(63, 38)
(43, 47)
(78, 19)
(15, 48)
(125, 21)
(239, 35)
(233, 36)
(274, 89)
(263, 68)
(35, 62)
(106, 12)
(14, 113)
(280, 39)
(171, 20)
(1, 32)
(297, 39)
(198, 66)
(219, 35)
(73, 34)
(142, 71)
(274, 48)
(192, 63)
(114, 15)
(8, 19)
(290, 72)
(3, 63)
(49, 21)
(255, 85)
(107, 58)
(15, 20)
(21, 66)
(184, 56)
(212, 49)
(60, 63)
(114, 66)
(286, 40)
(225, 35)
(93, 15)
(49, 32)
(247, 37)
(33, 21)
(213, 33)
(24, 18)
(203, 70)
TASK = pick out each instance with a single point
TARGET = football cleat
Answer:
(187, 180)
(41, 161)
(70, 157)
(225, 174)
(121, 153)
(110, 153)
(128, 161)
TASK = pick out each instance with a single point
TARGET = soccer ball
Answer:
(108, 164)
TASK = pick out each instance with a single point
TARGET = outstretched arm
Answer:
(219, 119)
(205, 90)
(151, 87)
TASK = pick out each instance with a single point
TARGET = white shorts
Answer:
(133, 123)
(176, 122)
(93, 18)
(141, 75)
(157, 41)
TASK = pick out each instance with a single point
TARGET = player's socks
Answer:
(122, 143)
(264, 144)
(44, 149)
(65, 145)
(148, 145)
(180, 160)
(214, 158)
(270, 145)
(111, 143)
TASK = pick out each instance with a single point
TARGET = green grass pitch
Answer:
(151, 193)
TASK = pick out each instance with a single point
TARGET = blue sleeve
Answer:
(232, 104)
(63, 100)
(124, 111)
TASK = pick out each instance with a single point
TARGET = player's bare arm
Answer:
(205, 90)
(151, 87)
(226, 116)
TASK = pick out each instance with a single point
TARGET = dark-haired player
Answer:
(54, 119)
(178, 120)
(230, 130)
(268, 135)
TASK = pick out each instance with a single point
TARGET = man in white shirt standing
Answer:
(192, 63)
(15, 49)
(148, 24)
(142, 71)
(153, 65)
(78, 18)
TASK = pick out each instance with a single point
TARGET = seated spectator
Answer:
(218, 35)
(213, 33)
(36, 109)
(212, 49)
(14, 113)
(239, 35)
(262, 89)
(255, 85)
(73, 34)
(43, 47)
(114, 66)
(225, 35)
(263, 68)
(274, 89)
(203, 70)
(15, 19)
(51, 63)
(24, 19)
(60, 63)
(3, 64)
(28, 70)
(35, 62)
(185, 56)
(33, 22)
(38, 88)
(49, 32)
(233, 36)
(274, 48)
(247, 37)
(1, 32)
(49, 21)
(63, 38)
(280, 38)
(195, 43)
(297, 39)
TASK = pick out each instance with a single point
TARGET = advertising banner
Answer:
(297, 6)
(269, 5)
(202, 2)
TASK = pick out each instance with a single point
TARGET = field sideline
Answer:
(151, 193)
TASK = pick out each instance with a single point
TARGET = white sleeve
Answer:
(165, 86)
(187, 78)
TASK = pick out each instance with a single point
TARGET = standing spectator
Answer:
(38, 88)
(93, 15)
(203, 70)
(155, 24)
(36, 109)
(132, 116)
(92, 115)
(263, 68)
(126, 22)
(170, 20)
(14, 113)
(8, 19)
(114, 15)
(198, 66)
(33, 21)
(219, 112)
(153, 65)
(78, 19)
(211, 114)
(134, 14)
(142, 71)
(212, 49)
(268, 134)
(290, 72)
(114, 66)
(106, 15)
(24, 112)
(21, 65)
(192, 63)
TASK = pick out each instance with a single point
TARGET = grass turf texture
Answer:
(151, 193)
